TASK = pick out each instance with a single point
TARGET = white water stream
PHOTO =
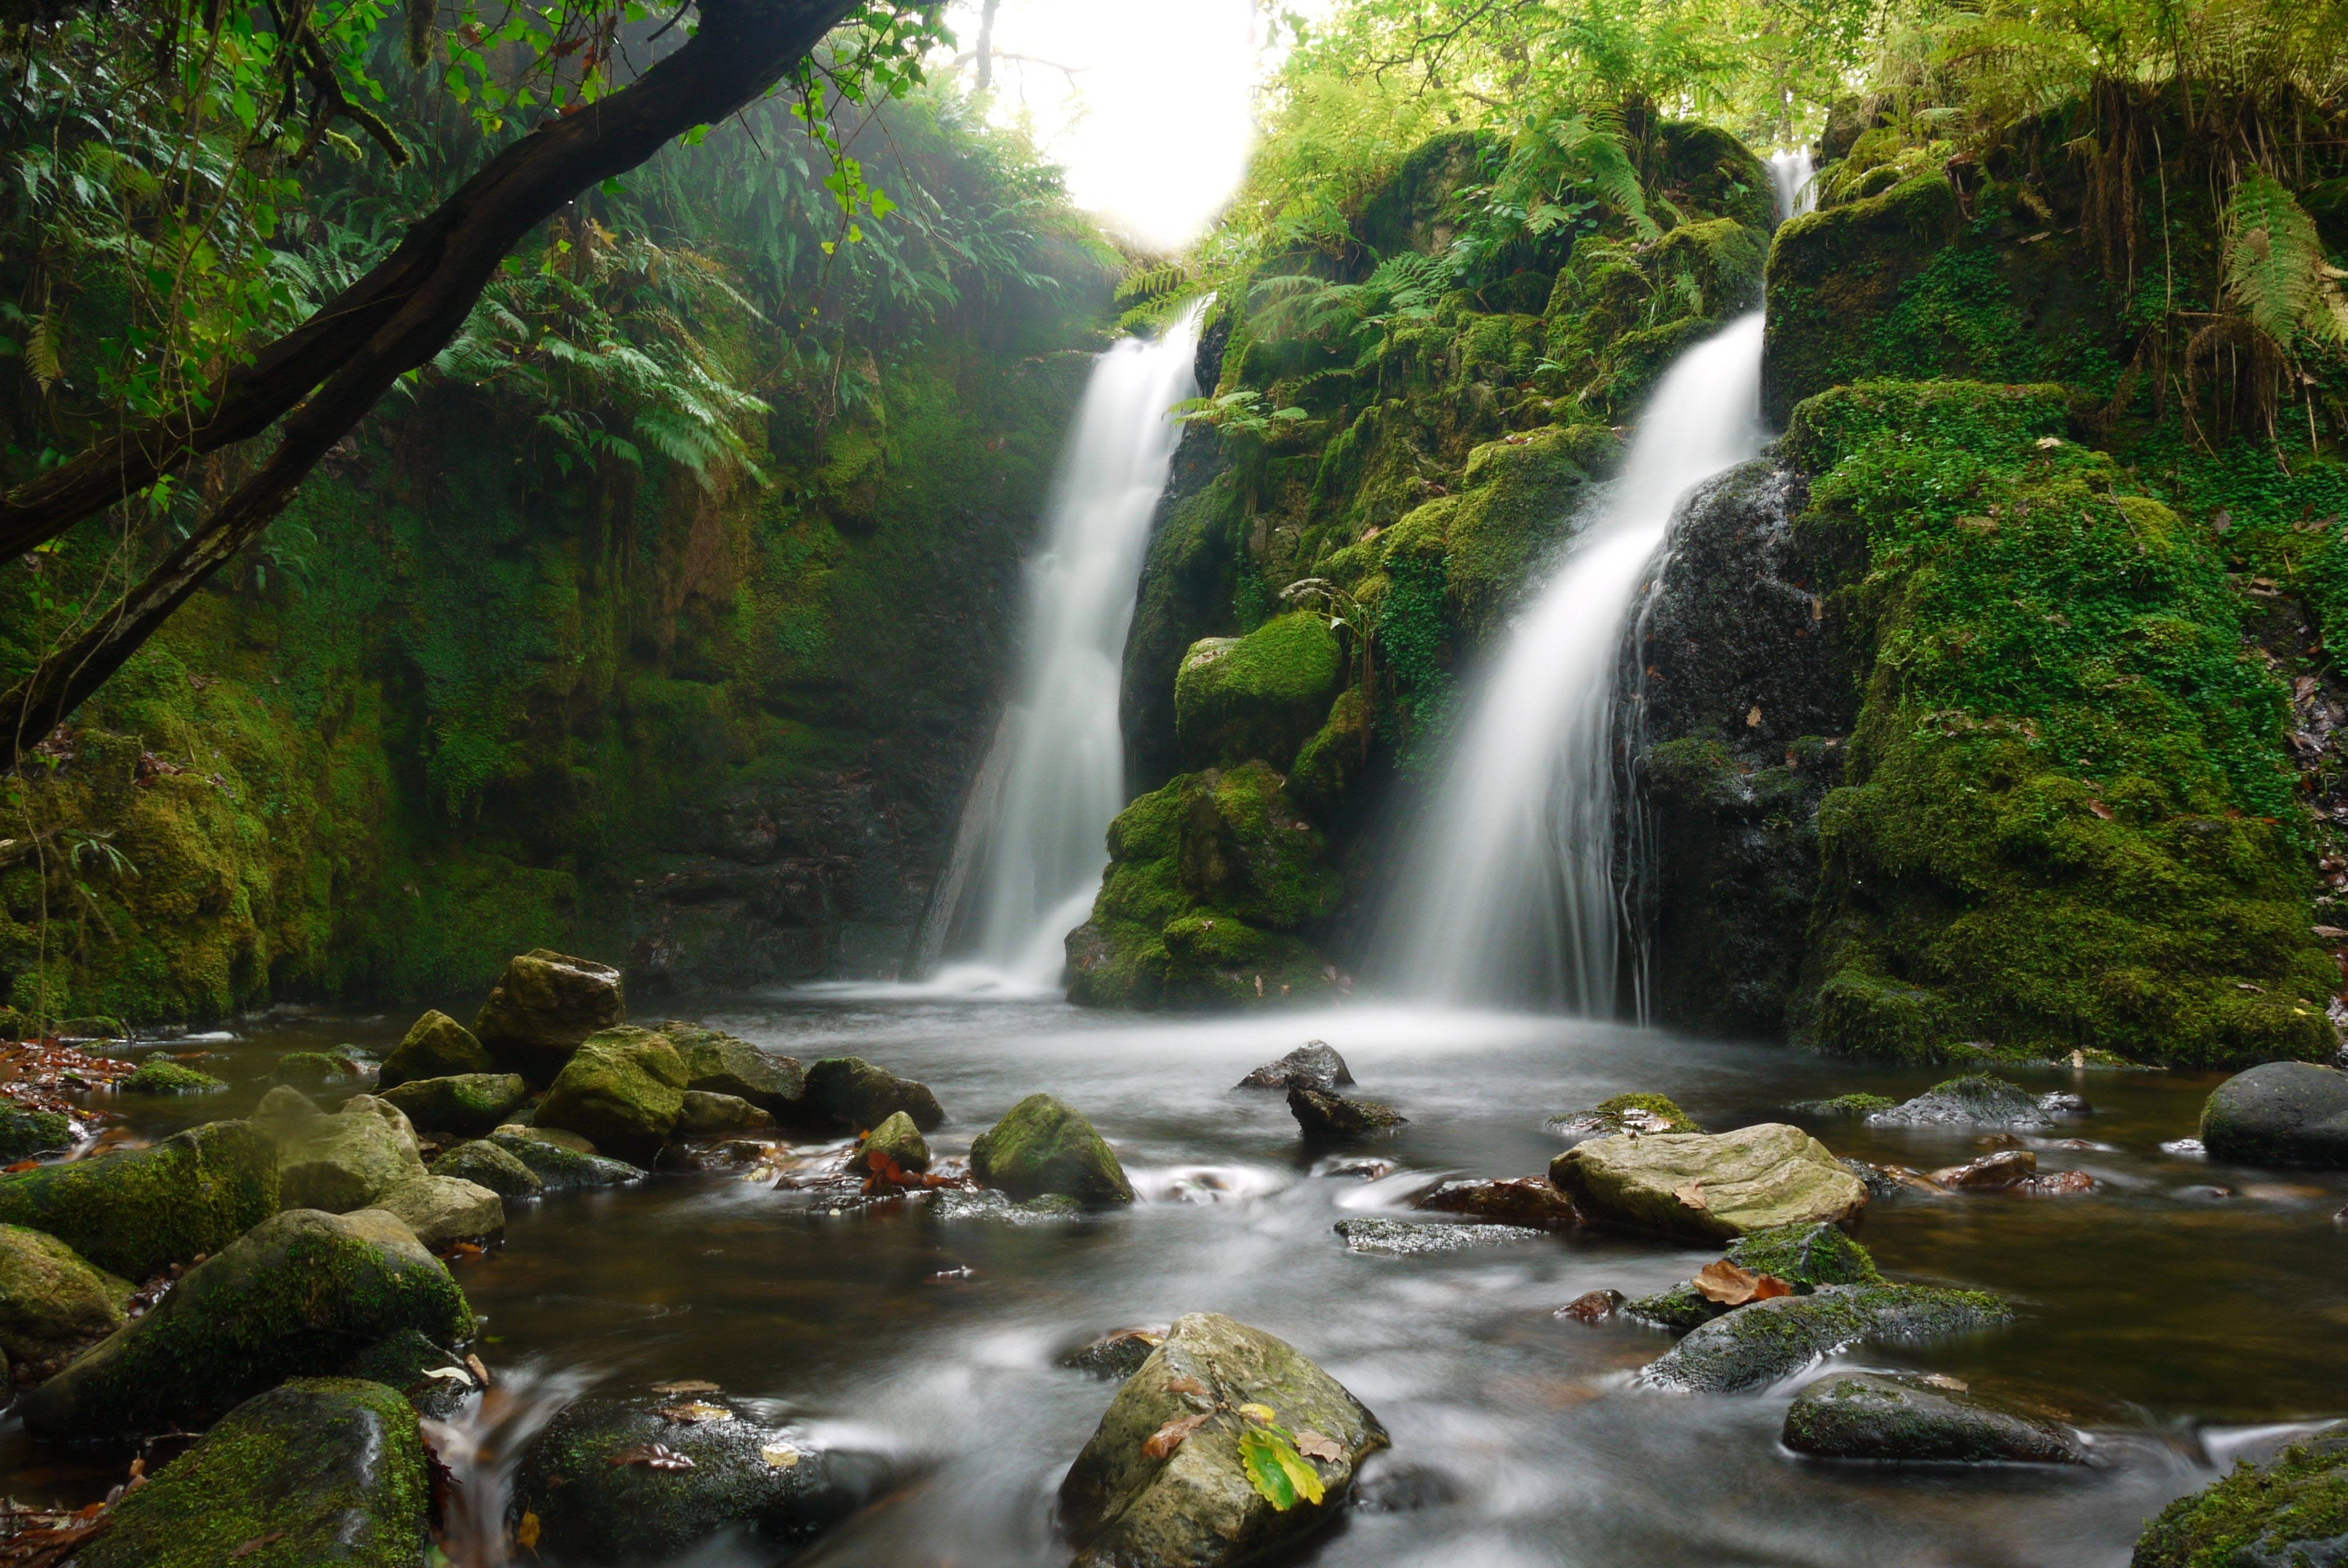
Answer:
(1028, 857)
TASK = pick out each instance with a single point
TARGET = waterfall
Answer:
(1028, 860)
(1791, 176)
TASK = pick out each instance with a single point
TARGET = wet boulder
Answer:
(136, 1212)
(1719, 1185)
(1315, 1065)
(2289, 1512)
(25, 1133)
(348, 1160)
(436, 1046)
(1261, 695)
(319, 1473)
(627, 1479)
(899, 1144)
(624, 1088)
(318, 1070)
(1624, 1114)
(1841, 1105)
(2290, 1114)
(1871, 1416)
(485, 1164)
(432, 1377)
(1805, 1255)
(716, 1062)
(292, 1297)
(543, 1006)
(157, 1076)
(1117, 1356)
(1333, 1116)
(53, 1303)
(1980, 1100)
(851, 1094)
(1045, 1145)
(707, 1115)
(2004, 1169)
(1516, 1201)
(443, 1209)
(1379, 1236)
(559, 1169)
(467, 1103)
(1768, 1341)
(1164, 1482)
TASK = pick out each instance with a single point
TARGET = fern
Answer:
(2277, 273)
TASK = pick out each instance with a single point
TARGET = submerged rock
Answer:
(1514, 1201)
(559, 1169)
(159, 1077)
(1870, 1416)
(1331, 1116)
(436, 1046)
(53, 1303)
(624, 1088)
(485, 1164)
(1767, 1341)
(1719, 1185)
(1411, 1239)
(289, 1298)
(900, 1143)
(987, 1204)
(348, 1160)
(1045, 1145)
(716, 1062)
(1195, 1507)
(2289, 1512)
(2289, 1113)
(443, 1209)
(1119, 1354)
(543, 1006)
(851, 1094)
(1624, 1114)
(1979, 1099)
(1842, 1105)
(467, 1102)
(1315, 1065)
(318, 1471)
(135, 1214)
(316, 1070)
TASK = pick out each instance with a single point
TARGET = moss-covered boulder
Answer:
(467, 1103)
(137, 1213)
(348, 1160)
(1834, 270)
(316, 1070)
(1634, 1112)
(1723, 1186)
(1871, 1416)
(1261, 695)
(559, 1169)
(292, 1297)
(1805, 1256)
(444, 1209)
(52, 1301)
(436, 1046)
(1044, 1145)
(25, 1133)
(850, 1093)
(1196, 1507)
(1842, 1106)
(485, 1164)
(592, 1505)
(624, 1088)
(2289, 1511)
(157, 1076)
(1764, 1342)
(1976, 1099)
(321, 1472)
(707, 1115)
(2283, 1113)
(716, 1062)
(898, 1142)
(543, 1006)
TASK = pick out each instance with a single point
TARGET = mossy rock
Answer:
(291, 1298)
(559, 1169)
(1261, 695)
(1805, 1255)
(716, 1062)
(1325, 1115)
(708, 1115)
(315, 1070)
(1764, 1342)
(1635, 1113)
(436, 1046)
(25, 1133)
(467, 1103)
(156, 1076)
(318, 1471)
(442, 1210)
(1843, 1106)
(624, 1088)
(1833, 270)
(1870, 1416)
(543, 1007)
(1519, 499)
(405, 1362)
(2291, 1510)
(348, 1160)
(900, 1142)
(1723, 1187)
(137, 1213)
(1045, 1145)
(52, 1301)
(851, 1094)
(486, 1165)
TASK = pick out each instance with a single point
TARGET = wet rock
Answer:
(1767, 1342)
(288, 1299)
(559, 1169)
(432, 1377)
(1315, 1065)
(1516, 1201)
(2289, 1512)
(2059, 1185)
(159, 1077)
(1624, 1114)
(444, 1209)
(1991, 1172)
(53, 1303)
(2065, 1106)
(998, 1207)
(319, 1472)
(1196, 1508)
(1842, 1105)
(1261, 696)
(485, 1164)
(284, 1108)
(716, 1062)
(624, 1088)
(1719, 1185)
(560, 1137)
(1330, 1116)
(707, 1115)
(1386, 1237)
(1118, 1356)
(1806, 1257)
(1870, 1416)
(543, 1007)
(2289, 1113)
(900, 1143)
(850, 1093)
(347, 1161)
(1892, 1181)
(137, 1213)
(436, 1046)
(468, 1103)
(1976, 1099)
(1678, 1310)
(585, 1480)
(1045, 1145)
(25, 1133)
(1592, 1306)
(316, 1070)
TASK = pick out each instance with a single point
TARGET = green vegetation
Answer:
(137, 1213)
(2297, 1499)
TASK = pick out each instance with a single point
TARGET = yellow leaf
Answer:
(526, 1532)
(780, 1456)
(1261, 1412)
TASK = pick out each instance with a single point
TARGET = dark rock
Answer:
(1313, 1065)
(2289, 1512)
(543, 1006)
(1842, 1105)
(1991, 1172)
(468, 1103)
(1976, 1099)
(1679, 1310)
(1118, 1356)
(2289, 1114)
(1044, 1145)
(436, 1046)
(1409, 1239)
(1767, 1342)
(851, 1094)
(716, 1062)
(485, 1164)
(1516, 1201)
(1328, 1116)
(1868, 1416)
(559, 1169)
(1592, 1306)
(136, 1214)
(25, 1133)
(408, 1362)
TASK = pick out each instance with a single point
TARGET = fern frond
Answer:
(2274, 260)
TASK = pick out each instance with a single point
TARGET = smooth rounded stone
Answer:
(53, 1302)
(594, 1505)
(2289, 1114)
(1118, 1356)
(561, 1169)
(429, 1377)
(1045, 1146)
(284, 1108)
(543, 1006)
(317, 1471)
(436, 1046)
(1330, 1116)
(485, 1164)
(1592, 1307)
(1976, 1099)
(900, 1143)
(1196, 1508)
(1315, 1065)
(1841, 1105)
(25, 1133)
(137, 1213)
(1624, 1114)
(1514, 1201)
(624, 1088)
(2289, 1512)
(288, 1299)
(1719, 1185)
(467, 1102)
(347, 1161)
(1381, 1236)
(443, 1210)
(316, 1070)
(2004, 1169)
(707, 1115)
(719, 1064)
(161, 1077)
(1764, 1342)
(1870, 1416)
(850, 1093)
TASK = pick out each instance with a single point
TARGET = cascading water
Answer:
(1791, 178)
(1028, 857)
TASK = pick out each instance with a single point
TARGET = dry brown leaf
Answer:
(257, 1543)
(480, 1372)
(1690, 1195)
(695, 1411)
(651, 1456)
(691, 1386)
(1769, 1287)
(1167, 1438)
(1318, 1445)
(2100, 809)
(1185, 1385)
(1726, 1284)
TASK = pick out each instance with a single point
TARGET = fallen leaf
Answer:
(1280, 1475)
(1692, 1195)
(1264, 1413)
(778, 1455)
(2100, 809)
(480, 1373)
(690, 1387)
(1318, 1445)
(1167, 1438)
(470, 1249)
(1185, 1385)
(651, 1456)
(453, 1374)
(257, 1543)
(695, 1411)
(23, 1165)
(1753, 719)
(1730, 1286)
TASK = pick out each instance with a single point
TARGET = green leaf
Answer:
(1278, 1472)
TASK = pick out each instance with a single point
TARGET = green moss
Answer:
(2259, 1514)
(24, 1134)
(1044, 1145)
(135, 1214)
(159, 1077)
(1843, 1105)
(622, 1089)
(1259, 695)
(1805, 1255)
(1840, 269)
(1520, 499)
(314, 1068)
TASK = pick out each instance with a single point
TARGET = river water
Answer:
(2179, 1327)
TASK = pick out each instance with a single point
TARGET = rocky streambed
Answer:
(2044, 1316)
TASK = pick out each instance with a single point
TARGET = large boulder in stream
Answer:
(136, 1214)
(716, 1062)
(1764, 1342)
(1165, 1481)
(851, 1094)
(468, 1103)
(559, 1169)
(1871, 1416)
(2283, 1113)
(295, 1296)
(1978, 1100)
(442, 1210)
(1045, 1145)
(2289, 1512)
(1719, 1185)
(436, 1046)
(345, 1160)
(622, 1089)
(485, 1164)
(543, 1006)
(53, 1303)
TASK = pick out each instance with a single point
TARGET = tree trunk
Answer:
(985, 53)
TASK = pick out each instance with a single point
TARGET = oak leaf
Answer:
(1167, 1438)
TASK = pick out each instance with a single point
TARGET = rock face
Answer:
(1045, 1145)
(467, 1102)
(52, 1302)
(292, 1297)
(318, 1471)
(485, 1164)
(134, 1213)
(559, 1169)
(1976, 1099)
(543, 1006)
(442, 1209)
(1196, 1508)
(348, 1160)
(2290, 1114)
(436, 1046)
(1331, 1116)
(1868, 1416)
(850, 1093)
(624, 1088)
(1717, 1185)
(1315, 1065)
(1761, 1343)
(900, 1142)
(593, 1510)
(2290, 1512)
(716, 1062)
(1517, 1200)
